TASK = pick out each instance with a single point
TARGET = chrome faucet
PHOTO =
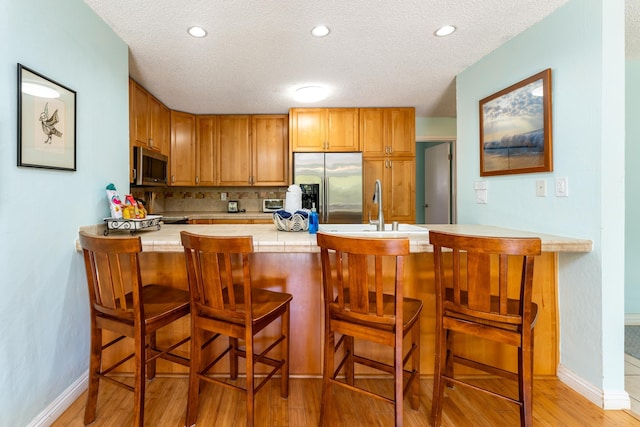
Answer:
(377, 198)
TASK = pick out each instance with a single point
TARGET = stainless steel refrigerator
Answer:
(339, 176)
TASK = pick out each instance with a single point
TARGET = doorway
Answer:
(435, 182)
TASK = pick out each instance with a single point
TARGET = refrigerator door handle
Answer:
(325, 201)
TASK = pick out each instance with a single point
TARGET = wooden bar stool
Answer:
(223, 303)
(484, 289)
(120, 303)
(354, 276)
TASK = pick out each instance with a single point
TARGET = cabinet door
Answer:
(138, 115)
(372, 169)
(342, 129)
(402, 131)
(156, 124)
(183, 150)
(373, 132)
(400, 189)
(307, 129)
(269, 149)
(206, 140)
(233, 153)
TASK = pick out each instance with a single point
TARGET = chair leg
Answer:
(525, 380)
(140, 380)
(398, 382)
(250, 378)
(151, 366)
(415, 366)
(438, 383)
(448, 360)
(349, 369)
(327, 373)
(284, 382)
(95, 360)
(194, 379)
(233, 358)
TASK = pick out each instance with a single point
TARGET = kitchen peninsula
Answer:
(290, 262)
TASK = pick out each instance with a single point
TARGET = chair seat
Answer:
(410, 311)
(264, 303)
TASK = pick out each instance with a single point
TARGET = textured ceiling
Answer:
(378, 54)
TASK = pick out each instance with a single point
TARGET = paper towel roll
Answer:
(292, 201)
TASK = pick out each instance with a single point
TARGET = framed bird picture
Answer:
(46, 122)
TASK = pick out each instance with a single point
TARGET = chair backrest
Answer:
(483, 274)
(214, 264)
(113, 270)
(356, 264)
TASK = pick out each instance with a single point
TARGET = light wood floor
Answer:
(632, 382)
(555, 404)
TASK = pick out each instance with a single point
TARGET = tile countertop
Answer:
(268, 239)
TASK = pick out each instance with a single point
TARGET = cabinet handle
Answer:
(150, 142)
(173, 178)
(197, 180)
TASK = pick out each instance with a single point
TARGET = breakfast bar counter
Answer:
(290, 262)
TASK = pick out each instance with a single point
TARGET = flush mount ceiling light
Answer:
(310, 94)
(39, 90)
(198, 32)
(320, 31)
(445, 30)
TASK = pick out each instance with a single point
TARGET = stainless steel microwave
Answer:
(149, 167)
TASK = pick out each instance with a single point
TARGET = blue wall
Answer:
(583, 44)
(632, 155)
(44, 317)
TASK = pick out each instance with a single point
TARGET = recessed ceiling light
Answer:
(197, 32)
(320, 31)
(39, 90)
(310, 94)
(445, 30)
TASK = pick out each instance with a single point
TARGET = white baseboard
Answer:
(632, 319)
(61, 403)
(608, 400)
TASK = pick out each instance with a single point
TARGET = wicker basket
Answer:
(297, 221)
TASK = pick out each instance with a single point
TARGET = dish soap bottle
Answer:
(313, 220)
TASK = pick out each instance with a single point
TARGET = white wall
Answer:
(583, 44)
(44, 322)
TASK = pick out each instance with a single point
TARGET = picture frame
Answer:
(515, 128)
(46, 122)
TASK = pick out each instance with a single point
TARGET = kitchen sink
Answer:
(371, 231)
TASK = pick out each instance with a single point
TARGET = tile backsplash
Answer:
(206, 199)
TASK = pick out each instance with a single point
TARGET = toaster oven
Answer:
(272, 205)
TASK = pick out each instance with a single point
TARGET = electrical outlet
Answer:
(481, 196)
(223, 196)
(541, 188)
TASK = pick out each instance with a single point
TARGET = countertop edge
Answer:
(268, 239)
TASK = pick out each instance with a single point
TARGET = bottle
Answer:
(313, 220)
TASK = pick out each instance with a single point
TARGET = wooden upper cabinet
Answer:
(148, 120)
(206, 141)
(269, 149)
(398, 188)
(324, 129)
(159, 126)
(233, 151)
(183, 148)
(387, 131)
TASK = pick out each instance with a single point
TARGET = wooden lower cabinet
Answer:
(300, 274)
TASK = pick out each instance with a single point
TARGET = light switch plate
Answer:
(481, 196)
(562, 187)
(481, 185)
(541, 188)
